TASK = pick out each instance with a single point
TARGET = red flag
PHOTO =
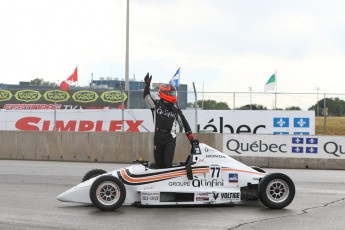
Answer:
(73, 78)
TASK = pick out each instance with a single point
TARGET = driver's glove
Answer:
(147, 80)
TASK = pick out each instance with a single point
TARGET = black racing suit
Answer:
(166, 117)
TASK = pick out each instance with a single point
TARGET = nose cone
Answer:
(76, 194)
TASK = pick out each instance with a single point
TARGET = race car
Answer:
(207, 177)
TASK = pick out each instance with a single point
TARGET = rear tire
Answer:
(93, 173)
(107, 193)
(276, 190)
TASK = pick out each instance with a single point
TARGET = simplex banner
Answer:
(294, 146)
(140, 120)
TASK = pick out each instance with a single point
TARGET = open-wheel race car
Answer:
(208, 177)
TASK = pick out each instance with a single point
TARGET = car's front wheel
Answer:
(107, 193)
(276, 190)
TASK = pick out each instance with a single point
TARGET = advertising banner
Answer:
(294, 146)
(217, 121)
(257, 121)
(29, 99)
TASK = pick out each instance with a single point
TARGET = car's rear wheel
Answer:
(93, 173)
(107, 193)
(276, 190)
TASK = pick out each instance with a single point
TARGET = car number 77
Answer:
(215, 172)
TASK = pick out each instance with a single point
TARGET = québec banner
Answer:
(291, 146)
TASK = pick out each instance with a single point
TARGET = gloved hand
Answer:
(192, 140)
(148, 79)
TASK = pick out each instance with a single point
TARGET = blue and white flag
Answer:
(175, 80)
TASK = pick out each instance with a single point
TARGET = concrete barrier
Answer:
(120, 147)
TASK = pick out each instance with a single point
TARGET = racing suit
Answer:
(166, 117)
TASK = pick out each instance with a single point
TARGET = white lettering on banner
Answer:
(292, 146)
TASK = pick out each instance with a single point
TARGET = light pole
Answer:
(250, 97)
(317, 101)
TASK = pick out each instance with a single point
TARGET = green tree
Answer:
(254, 107)
(41, 82)
(293, 108)
(335, 107)
(211, 105)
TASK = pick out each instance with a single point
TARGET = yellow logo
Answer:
(56, 95)
(113, 96)
(85, 96)
(5, 95)
(27, 95)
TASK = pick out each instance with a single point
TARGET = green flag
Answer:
(271, 83)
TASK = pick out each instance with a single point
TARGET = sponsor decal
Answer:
(37, 124)
(179, 184)
(56, 95)
(280, 122)
(230, 196)
(202, 198)
(256, 146)
(207, 183)
(202, 194)
(113, 96)
(5, 95)
(27, 95)
(301, 122)
(233, 178)
(227, 128)
(85, 96)
(150, 196)
(215, 195)
(215, 156)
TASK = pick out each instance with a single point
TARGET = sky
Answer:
(220, 45)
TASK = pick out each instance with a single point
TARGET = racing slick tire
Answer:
(107, 193)
(276, 190)
(93, 173)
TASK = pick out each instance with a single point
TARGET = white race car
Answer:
(208, 177)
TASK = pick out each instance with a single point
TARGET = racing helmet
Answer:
(167, 92)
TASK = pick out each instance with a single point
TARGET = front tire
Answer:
(107, 193)
(93, 173)
(276, 190)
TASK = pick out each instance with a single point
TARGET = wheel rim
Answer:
(277, 190)
(108, 193)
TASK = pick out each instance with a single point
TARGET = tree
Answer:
(334, 107)
(41, 82)
(254, 107)
(293, 108)
(210, 105)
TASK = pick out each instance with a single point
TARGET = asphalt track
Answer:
(28, 191)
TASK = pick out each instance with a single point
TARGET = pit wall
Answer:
(118, 147)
